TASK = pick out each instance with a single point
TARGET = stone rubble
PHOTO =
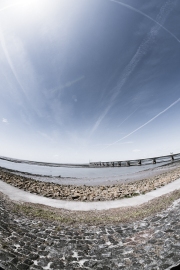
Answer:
(149, 244)
(88, 193)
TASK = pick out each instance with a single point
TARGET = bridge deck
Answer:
(136, 162)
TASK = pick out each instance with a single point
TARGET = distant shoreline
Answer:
(95, 180)
(151, 179)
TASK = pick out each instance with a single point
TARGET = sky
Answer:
(88, 80)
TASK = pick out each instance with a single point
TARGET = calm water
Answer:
(76, 172)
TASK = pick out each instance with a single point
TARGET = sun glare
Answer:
(35, 10)
(28, 9)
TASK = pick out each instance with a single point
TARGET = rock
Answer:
(75, 196)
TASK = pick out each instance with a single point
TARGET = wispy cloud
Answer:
(98, 122)
(26, 78)
(68, 84)
(22, 91)
(141, 51)
(101, 144)
(128, 117)
(152, 119)
(8, 58)
(4, 47)
(136, 150)
(46, 136)
(5, 121)
(147, 16)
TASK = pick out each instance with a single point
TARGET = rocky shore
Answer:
(89, 193)
(146, 237)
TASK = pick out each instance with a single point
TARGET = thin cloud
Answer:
(13, 69)
(141, 51)
(68, 84)
(44, 135)
(25, 77)
(3, 44)
(128, 117)
(136, 150)
(8, 58)
(147, 16)
(152, 119)
(101, 144)
(98, 122)
(4, 120)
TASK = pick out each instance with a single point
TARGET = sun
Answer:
(34, 10)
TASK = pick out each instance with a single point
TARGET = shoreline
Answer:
(154, 179)
(94, 176)
(112, 179)
(126, 213)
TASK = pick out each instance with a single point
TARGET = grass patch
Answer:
(124, 214)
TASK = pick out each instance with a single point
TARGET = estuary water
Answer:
(81, 175)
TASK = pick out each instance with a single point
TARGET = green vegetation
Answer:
(96, 217)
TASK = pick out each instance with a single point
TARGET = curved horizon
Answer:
(89, 80)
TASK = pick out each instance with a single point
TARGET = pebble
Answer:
(88, 193)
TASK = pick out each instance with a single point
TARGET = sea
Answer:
(80, 174)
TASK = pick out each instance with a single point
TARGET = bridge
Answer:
(136, 162)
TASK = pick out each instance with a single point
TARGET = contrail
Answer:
(2, 40)
(8, 58)
(152, 119)
(141, 51)
(68, 84)
(100, 119)
(147, 16)
(128, 117)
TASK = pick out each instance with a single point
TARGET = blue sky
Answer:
(89, 80)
